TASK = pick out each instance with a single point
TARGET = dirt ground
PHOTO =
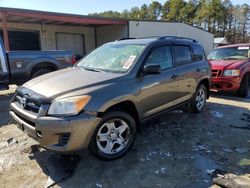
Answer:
(178, 149)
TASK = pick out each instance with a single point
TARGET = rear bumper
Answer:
(54, 133)
(226, 83)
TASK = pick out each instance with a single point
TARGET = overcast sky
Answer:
(81, 6)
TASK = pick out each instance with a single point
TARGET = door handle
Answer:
(174, 76)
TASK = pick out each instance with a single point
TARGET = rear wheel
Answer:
(198, 103)
(114, 136)
(40, 72)
(244, 85)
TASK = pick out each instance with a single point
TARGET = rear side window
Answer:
(182, 55)
(161, 56)
(198, 53)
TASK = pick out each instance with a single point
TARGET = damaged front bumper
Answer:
(62, 134)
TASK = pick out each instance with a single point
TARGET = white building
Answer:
(220, 42)
(36, 30)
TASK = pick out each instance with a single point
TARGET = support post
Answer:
(5, 31)
(95, 30)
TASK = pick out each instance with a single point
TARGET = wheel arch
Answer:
(125, 106)
(206, 83)
(247, 74)
(41, 65)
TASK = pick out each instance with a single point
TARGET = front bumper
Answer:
(226, 83)
(61, 134)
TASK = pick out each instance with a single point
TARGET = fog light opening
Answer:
(39, 134)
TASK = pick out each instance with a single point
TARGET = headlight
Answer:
(234, 72)
(68, 106)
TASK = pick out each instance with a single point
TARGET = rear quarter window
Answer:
(182, 55)
(199, 53)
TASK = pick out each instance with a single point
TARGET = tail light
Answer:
(73, 60)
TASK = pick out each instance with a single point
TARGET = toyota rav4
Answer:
(100, 102)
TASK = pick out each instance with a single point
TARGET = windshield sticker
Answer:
(127, 64)
(243, 48)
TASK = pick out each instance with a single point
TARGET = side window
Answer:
(161, 56)
(198, 53)
(182, 55)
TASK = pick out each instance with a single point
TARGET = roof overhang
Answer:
(36, 17)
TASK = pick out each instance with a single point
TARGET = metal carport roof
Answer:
(35, 17)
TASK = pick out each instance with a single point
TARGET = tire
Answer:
(114, 128)
(198, 102)
(243, 90)
(40, 72)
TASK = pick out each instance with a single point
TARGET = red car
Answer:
(231, 68)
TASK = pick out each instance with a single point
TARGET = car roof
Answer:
(235, 45)
(155, 39)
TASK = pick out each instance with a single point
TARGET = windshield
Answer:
(117, 58)
(229, 53)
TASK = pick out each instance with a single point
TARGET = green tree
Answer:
(134, 13)
(109, 14)
(204, 15)
(176, 11)
(144, 14)
(154, 10)
(190, 11)
(228, 19)
(165, 10)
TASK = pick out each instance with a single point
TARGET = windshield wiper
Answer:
(230, 58)
(92, 69)
(235, 57)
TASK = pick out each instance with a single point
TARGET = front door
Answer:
(159, 91)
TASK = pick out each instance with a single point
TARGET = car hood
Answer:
(229, 64)
(70, 80)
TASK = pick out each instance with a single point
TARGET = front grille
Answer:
(63, 139)
(216, 73)
(25, 104)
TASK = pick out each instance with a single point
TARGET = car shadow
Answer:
(229, 95)
(4, 108)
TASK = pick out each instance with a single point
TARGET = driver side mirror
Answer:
(152, 69)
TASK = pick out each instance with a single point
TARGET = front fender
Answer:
(102, 107)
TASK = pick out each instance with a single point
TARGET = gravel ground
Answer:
(177, 149)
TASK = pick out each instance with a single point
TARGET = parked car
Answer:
(100, 102)
(17, 67)
(231, 68)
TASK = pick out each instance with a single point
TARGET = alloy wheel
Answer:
(200, 98)
(113, 136)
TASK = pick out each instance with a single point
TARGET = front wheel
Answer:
(198, 102)
(114, 136)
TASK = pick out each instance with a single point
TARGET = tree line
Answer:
(219, 17)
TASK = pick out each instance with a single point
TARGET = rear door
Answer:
(159, 91)
(187, 71)
(4, 72)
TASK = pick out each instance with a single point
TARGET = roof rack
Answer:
(148, 37)
(178, 38)
(161, 38)
(125, 38)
